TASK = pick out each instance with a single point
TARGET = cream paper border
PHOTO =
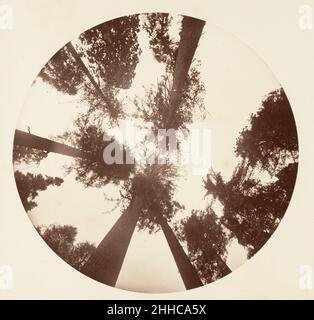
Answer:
(271, 28)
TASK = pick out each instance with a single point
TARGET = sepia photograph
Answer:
(155, 153)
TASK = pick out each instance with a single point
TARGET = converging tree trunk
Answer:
(107, 268)
(107, 261)
(86, 71)
(223, 266)
(187, 271)
(29, 140)
(105, 264)
(190, 35)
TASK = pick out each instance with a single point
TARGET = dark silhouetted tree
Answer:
(149, 205)
(88, 135)
(271, 140)
(252, 209)
(63, 73)
(87, 142)
(179, 93)
(156, 107)
(28, 186)
(155, 184)
(165, 48)
(112, 50)
(27, 155)
(206, 242)
(67, 72)
(62, 240)
(103, 61)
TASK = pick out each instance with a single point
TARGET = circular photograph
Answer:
(155, 153)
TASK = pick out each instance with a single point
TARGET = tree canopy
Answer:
(253, 208)
(163, 45)
(103, 60)
(206, 244)
(29, 185)
(272, 137)
(27, 155)
(112, 50)
(159, 106)
(88, 135)
(156, 108)
(156, 185)
(62, 240)
(63, 73)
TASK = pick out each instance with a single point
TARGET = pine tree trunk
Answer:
(86, 72)
(187, 271)
(225, 270)
(190, 35)
(29, 140)
(105, 265)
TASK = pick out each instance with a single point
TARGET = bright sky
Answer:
(235, 80)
